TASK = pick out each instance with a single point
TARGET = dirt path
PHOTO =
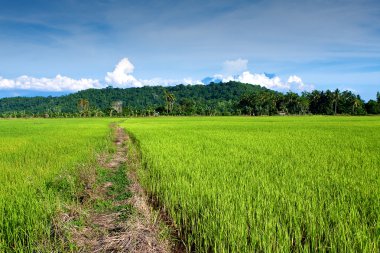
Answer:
(121, 219)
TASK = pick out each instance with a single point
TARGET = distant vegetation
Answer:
(232, 98)
(265, 184)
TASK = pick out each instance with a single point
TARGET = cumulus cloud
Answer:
(271, 81)
(296, 83)
(263, 80)
(294, 79)
(121, 75)
(59, 83)
(233, 67)
(236, 70)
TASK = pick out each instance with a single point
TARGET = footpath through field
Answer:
(121, 221)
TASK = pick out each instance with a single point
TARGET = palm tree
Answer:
(83, 106)
(97, 112)
(117, 106)
(356, 104)
(315, 97)
(336, 97)
(170, 99)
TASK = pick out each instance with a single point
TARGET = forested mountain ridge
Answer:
(231, 98)
(148, 97)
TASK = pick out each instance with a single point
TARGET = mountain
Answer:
(151, 97)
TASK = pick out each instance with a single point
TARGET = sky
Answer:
(58, 47)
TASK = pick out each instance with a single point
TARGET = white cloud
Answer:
(296, 83)
(233, 67)
(121, 75)
(271, 82)
(294, 79)
(236, 70)
(59, 83)
(263, 80)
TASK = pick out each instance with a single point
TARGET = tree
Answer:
(117, 106)
(292, 103)
(214, 99)
(372, 107)
(170, 99)
(187, 106)
(83, 107)
(327, 102)
(346, 101)
(246, 104)
(314, 98)
(304, 104)
(336, 100)
(357, 106)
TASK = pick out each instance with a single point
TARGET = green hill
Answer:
(232, 98)
(152, 98)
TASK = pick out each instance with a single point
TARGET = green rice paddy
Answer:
(265, 184)
(230, 184)
(39, 160)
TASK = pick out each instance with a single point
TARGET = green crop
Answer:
(265, 184)
(39, 161)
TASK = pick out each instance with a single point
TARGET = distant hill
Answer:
(231, 98)
(133, 98)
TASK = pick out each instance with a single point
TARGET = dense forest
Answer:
(232, 98)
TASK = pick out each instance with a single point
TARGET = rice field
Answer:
(230, 184)
(39, 164)
(265, 184)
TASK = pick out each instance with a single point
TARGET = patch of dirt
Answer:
(105, 231)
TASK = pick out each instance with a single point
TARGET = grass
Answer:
(270, 184)
(116, 192)
(42, 164)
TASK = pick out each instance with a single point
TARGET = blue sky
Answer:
(56, 47)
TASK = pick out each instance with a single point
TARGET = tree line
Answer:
(315, 102)
(231, 98)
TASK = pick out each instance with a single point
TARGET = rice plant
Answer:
(39, 161)
(265, 184)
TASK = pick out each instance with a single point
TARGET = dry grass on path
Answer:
(121, 224)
